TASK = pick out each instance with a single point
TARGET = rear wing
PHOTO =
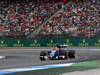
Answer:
(63, 46)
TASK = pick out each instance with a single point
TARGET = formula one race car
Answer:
(60, 52)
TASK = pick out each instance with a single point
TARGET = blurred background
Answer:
(49, 19)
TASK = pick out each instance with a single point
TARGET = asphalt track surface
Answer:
(28, 58)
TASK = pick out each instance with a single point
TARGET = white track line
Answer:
(39, 67)
(1, 57)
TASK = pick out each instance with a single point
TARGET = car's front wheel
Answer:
(42, 55)
(64, 53)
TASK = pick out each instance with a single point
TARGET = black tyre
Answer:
(42, 55)
(72, 54)
(64, 52)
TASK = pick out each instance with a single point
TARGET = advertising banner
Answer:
(49, 42)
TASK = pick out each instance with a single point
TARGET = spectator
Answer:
(81, 17)
(22, 17)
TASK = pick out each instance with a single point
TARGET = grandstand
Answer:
(49, 18)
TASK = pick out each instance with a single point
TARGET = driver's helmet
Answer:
(56, 48)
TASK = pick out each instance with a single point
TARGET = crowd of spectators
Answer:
(77, 18)
(21, 17)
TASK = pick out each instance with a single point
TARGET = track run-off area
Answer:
(19, 59)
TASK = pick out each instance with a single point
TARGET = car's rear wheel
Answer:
(72, 54)
(42, 55)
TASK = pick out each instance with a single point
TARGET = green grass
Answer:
(91, 64)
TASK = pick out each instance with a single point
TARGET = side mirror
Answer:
(61, 48)
(51, 48)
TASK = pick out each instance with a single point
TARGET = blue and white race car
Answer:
(60, 52)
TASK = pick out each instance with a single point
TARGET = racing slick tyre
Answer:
(42, 55)
(64, 52)
(72, 54)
